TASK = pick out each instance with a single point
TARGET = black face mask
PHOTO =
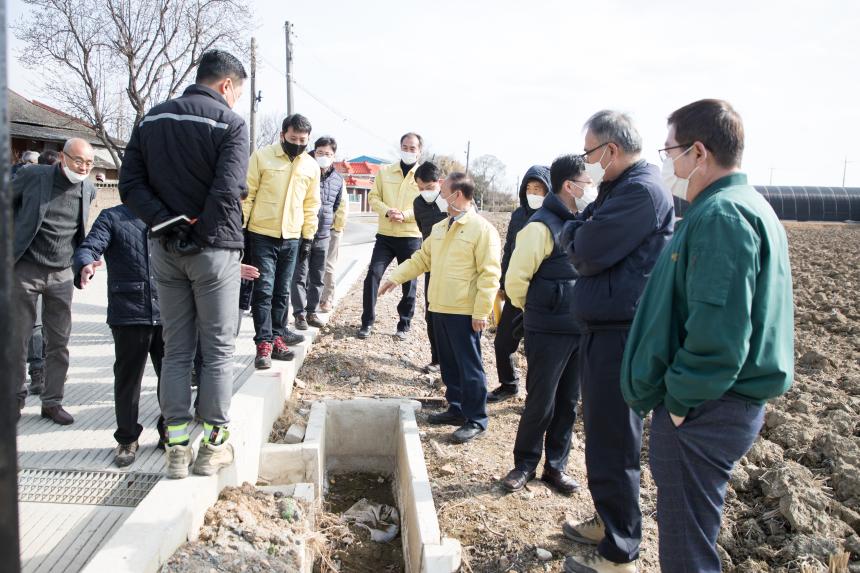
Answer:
(293, 149)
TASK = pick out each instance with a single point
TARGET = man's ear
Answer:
(701, 151)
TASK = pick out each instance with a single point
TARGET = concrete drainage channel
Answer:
(379, 436)
(375, 436)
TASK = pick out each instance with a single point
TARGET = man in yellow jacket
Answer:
(280, 214)
(463, 256)
(393, 193)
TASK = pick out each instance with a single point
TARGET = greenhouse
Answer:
(806, 203)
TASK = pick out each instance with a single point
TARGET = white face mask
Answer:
(408, 157)
(589, 194)
(442, 203)
(324, 161)
(74, 176)
(429, 196)
(677, 185)
(534, 201)
(596, 171)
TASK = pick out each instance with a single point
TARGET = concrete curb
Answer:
(379, 436)
(173, 511)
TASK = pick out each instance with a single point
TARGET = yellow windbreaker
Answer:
(533, 245)
(283, 196)
(391, 190)
(464, 263)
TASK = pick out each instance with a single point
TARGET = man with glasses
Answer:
(539, 281)
(613, 244)
(713, 338)
(51, 206)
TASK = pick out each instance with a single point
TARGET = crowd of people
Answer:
(620, 305)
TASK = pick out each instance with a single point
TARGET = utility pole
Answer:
(288, 29)
(468, 151)
(770, 181)
(253, 94)
(9, 546)
(844, 170)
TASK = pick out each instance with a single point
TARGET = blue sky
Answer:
(518, 79)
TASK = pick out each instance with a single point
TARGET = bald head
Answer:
(78, 156)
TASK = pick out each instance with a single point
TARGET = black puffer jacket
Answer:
(521, 215)
(189, 156)
(122, 239)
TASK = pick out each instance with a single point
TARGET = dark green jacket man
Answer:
(716, 317)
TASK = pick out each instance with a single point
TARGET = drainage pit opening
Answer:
(358, 508)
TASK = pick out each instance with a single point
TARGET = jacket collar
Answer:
(200, 89)
(555, 206)
(728, 181)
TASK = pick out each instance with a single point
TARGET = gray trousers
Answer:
(36, 346)
(198, 297)
(307, 284)
(330, 264)
(56, 288)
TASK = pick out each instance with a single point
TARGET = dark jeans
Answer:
(276, 260)
(691, 465)
(55, 286)
(506, 345)
(552, 384)
(308, 279)
(385, 250)
(462, 368)
(132, 345)
(613, 443)
(428, 318)
(36, 346)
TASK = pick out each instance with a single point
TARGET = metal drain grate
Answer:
(85, 487)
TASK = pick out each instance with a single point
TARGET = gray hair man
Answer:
(613, 243)
(48, 227)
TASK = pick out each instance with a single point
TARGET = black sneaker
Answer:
(466, 432)
(502, 393)
(447, 417)
(315, 320)
(37, 382)
(280, 351)
(364, 332)
(301, 323)
(292, 338)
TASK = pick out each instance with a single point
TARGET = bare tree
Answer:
(448, 164)
(86, 48)
(269, 128)
(486, 171)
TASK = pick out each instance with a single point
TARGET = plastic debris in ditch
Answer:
(380, 520)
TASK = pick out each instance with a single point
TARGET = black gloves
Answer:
(305, 249)
(179, 241)
(517, 326)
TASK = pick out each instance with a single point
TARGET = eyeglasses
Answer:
(81, 162)
(588, 152)
(664, 153)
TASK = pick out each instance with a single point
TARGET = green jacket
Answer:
(717, 314)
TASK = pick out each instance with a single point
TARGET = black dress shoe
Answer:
(300, 323)
(502, 393)
(447, 417)
(364, 332)
(517, 479)
(560, 481)
(466, 432)
(57, 414)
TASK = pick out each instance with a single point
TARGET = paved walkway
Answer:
(75, 508)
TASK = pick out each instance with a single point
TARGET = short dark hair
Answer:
(298, 122)
(48, 157)
(412, 133)
(565, 168)
(324, 141)
(462, 183)
(714, 123)
(216, 65)
(427, 172)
